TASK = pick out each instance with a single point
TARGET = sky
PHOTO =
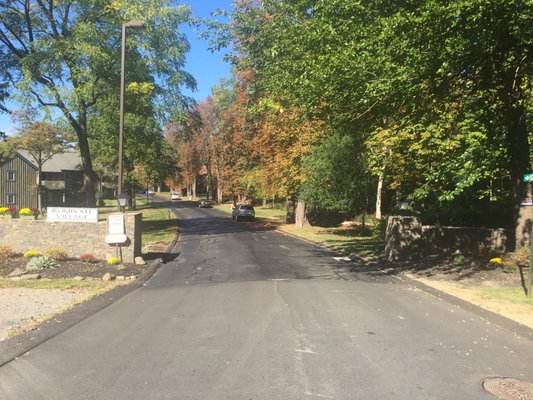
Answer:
(206, 67)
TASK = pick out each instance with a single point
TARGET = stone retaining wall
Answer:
(406, 237)
(73, 237)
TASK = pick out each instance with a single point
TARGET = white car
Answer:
(175, 196)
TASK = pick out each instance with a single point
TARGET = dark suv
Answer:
(243, 212)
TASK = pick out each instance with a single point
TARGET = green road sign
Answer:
(528, 177)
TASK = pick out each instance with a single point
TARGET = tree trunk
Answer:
(379, 194)
(219, 186)
(301, 219)
(291, 211)
(88, 173)
(40, 189)
(193, 184)
(518, 148)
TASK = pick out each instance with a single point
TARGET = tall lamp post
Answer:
(129, 24)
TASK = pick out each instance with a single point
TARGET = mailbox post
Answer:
(117, 234)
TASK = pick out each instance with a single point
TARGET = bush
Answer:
(88, 258)
(32, 253)
(29, 211)
(56, 254)
(380, 229)
(113, 261)
(6, 252)
(41, 262)
(100, 198)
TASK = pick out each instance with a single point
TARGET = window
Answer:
(11, 175)
(11, 199)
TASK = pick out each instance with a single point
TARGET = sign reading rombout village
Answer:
(71, 214)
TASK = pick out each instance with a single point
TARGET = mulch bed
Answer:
(472, 271)
(68, 269)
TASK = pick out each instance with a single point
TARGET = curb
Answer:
(16, 346)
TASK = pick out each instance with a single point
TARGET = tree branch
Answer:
(27, 18)
(49, 12)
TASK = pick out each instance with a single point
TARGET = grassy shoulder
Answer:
(63, 284)
(93, 287)
(512, 303)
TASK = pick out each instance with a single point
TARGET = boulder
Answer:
(17, 272)
(139, 261)
(108, 277)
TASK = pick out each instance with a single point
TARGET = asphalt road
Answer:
(248, 313)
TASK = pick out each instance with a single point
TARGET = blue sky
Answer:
(207, 68)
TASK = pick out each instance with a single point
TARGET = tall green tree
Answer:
(466, 71)
(64, 54)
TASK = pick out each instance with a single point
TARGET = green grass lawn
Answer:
(94, 287)
(511, 295)
(159, 223)
(347, 240)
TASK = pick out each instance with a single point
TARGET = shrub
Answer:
(56, 254)
(380, 228)
(32, 253)
(8, 211)
(458, 259)
(496, 262)
(41, 262)
(29, 211)
(88, 258)
(6, 252)
(113, 261)
(509, 269)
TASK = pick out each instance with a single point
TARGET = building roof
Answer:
(68, 161)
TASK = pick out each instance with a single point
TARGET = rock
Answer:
(78, 278)
(121, 278)
(132, 278)
(17, 272)
(30, 277)
(108, 277)
(139, 261)
(15, 278)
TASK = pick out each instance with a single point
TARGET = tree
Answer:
(42, 141)
(336, 177)
(475, 57)
(450, 73)
(46, 45)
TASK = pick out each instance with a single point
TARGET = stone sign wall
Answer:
(73, 237)
(406, 237)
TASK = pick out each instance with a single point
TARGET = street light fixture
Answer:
(129, 24)
(123, 201)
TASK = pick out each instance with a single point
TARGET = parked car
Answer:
(204, 203)
(175, 196)
(243, 212)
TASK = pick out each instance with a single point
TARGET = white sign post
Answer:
(116, 234)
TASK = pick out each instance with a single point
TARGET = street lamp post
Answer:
(129, 24)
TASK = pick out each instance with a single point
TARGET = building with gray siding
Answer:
(61, 177)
